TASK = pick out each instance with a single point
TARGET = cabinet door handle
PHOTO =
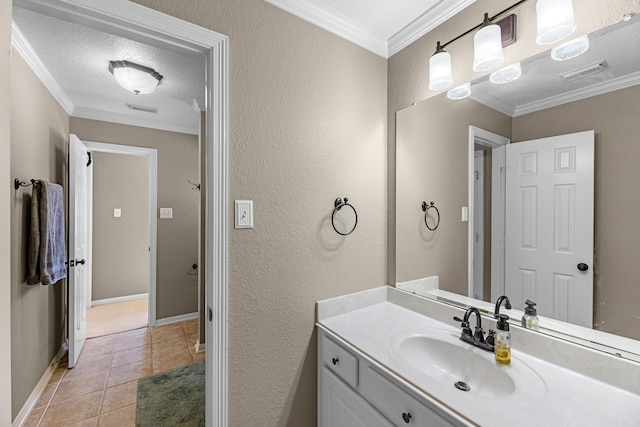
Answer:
(335, 361)
(406, 417)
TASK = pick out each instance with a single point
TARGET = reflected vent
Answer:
(585, 71)
(142, 108)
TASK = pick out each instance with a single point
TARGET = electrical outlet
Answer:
(166, 213)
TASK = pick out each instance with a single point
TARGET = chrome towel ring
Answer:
(339, 205)
(425, 209)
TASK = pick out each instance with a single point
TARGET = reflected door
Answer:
(549, 226)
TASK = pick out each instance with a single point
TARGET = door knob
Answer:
(82, 261)
(583, 267)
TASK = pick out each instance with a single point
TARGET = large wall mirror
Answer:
(574, 125)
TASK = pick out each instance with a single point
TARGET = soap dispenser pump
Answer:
(530, 318)
(503, 340)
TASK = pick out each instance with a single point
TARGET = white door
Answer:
(549, 226)
(478, 227)
(79, 218)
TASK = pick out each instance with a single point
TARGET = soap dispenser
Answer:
(503, 340)
(530, 318)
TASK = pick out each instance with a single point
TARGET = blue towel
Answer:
(52, 239)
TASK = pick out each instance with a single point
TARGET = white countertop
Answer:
(557, 397)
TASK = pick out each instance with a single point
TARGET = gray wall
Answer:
(176, 290)
(307, 125)
(432, 153)
(614, 117)
(39, 133)
(5, 210)
(120, 255)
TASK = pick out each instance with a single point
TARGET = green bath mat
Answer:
(173, 399)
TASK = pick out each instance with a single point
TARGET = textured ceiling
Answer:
(78, 59)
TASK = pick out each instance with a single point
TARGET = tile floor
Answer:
(101, 389)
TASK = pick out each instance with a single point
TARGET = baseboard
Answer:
(119, 299)
(39, 388)
(199, 346)
(176, 319)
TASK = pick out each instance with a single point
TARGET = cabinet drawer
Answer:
(340, 361)
(397, 405)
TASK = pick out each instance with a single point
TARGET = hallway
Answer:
(101, 389)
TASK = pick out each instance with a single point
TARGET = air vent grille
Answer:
(142, 108)
(585, 71)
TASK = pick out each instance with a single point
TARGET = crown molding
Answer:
(25, 50)
(429, 20)
(335, 25)
(578, 94)
(125, 119)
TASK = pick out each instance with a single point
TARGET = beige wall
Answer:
(432, 156)
(177, 291)
(39, 133)
(120, 254)
(6, 192)
(307, 125)
(409, 76)
(614, 117)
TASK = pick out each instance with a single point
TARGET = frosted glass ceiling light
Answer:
(440, 77)
(460, 92)
(554, 20)
(134, 77)
(570, 49)
(506, 74)
(487, 46)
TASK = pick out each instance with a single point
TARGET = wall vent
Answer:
(585, 71)
(142, 108)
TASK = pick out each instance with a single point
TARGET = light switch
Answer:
(117, 212)
(244, 213)
(465, 214)
(166, 213)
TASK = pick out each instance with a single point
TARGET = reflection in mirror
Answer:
(443, 145)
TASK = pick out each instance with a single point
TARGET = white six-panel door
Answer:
(78, 249)
(549, 226)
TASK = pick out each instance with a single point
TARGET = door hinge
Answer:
(89, 161)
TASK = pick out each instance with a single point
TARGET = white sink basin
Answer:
(437, 357)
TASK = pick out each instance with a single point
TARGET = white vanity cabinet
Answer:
(353, 391)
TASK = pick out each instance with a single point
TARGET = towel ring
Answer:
(425, 209)
(338, 205)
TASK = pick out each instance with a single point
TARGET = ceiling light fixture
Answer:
(506, 74)
(554, 20)
(440, 77)
(460, 92)
(570, 49)
(487, 46)
(134, 77)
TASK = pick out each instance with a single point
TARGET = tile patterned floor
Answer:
(101, 389)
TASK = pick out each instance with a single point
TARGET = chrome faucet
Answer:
(507, 305)
(475, 338)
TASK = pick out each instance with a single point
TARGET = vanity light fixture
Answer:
(440, 77)
(460, 92)
(487, 46)
(554, 20)
(570, 49)
(134, 77)
(506, 74)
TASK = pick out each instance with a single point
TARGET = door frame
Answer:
(478, 216)
(151, 154)
(498, 187)
(128, 19)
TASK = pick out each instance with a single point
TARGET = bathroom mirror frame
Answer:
(596, 339)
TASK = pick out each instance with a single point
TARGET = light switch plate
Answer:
(465, 214)
(244, 213)
(117, 212)
(166, 213)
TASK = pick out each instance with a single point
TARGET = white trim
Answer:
(119, 299)
(198, 106)
(199, 346)
(578, 94)
(137, 22)
(177, 319)
(425, 23)
(39, 389)
(22, 46)
(126, 119)
(152, 155)
(498, 220)
(490, 139)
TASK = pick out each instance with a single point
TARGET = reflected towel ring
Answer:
(425, 209)
(338, 205)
